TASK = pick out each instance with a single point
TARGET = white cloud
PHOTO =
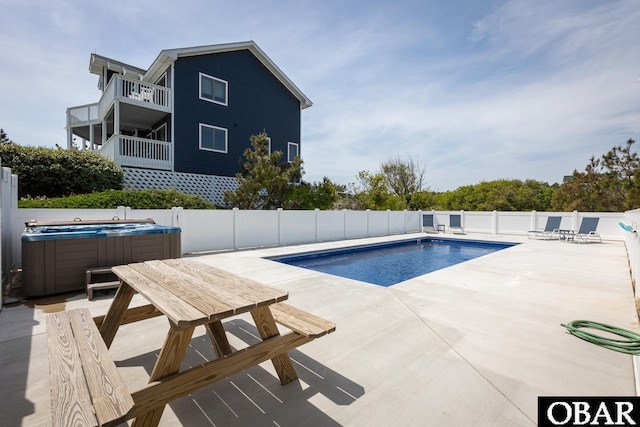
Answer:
(522, 89)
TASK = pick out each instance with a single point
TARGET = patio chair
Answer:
(455, 224)
(549, 231)
(427, 224)
(587, 231)
(146, 94)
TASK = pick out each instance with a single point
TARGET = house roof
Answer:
(168, 56)
(98, 63)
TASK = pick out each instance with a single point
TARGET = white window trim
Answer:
(226, 138)
(289, 150)
(226, 89)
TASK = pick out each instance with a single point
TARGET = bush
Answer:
(145, 199)
(49, 172)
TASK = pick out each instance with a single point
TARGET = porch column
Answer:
(116, 118)
(69, 138)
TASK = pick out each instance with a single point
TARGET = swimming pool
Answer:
(389, 263)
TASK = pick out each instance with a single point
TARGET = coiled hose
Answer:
(630, 345)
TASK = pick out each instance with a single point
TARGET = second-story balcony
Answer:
(151, 100)
(138, 152)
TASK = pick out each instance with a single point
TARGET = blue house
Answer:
(185, 121)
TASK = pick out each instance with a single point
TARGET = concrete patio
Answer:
(472, 344)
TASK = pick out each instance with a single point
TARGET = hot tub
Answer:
(56, 255)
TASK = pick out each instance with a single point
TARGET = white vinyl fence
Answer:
(217, 230)
(213, 230)
(632, 219)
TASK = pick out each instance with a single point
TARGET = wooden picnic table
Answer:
(189, 293)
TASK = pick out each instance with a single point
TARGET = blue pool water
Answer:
(391, 263)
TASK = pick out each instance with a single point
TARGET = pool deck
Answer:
(472, 344)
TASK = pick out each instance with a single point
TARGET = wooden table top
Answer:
(192, 293)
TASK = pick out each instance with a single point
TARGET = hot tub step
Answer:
(103, 285)
(97, 271)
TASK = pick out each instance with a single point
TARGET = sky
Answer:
(472, 90)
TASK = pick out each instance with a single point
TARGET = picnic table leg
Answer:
(168, 363)
(218, 337)
(267, 328)
(116, 313)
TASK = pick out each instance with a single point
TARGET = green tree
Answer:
(423, 200)
(373, 193)
(608, 183)
(502, 194)
(404, 178)
(4, 138)
(265, 182)
(318, 195)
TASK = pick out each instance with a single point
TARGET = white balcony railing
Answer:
(83, 115)
(135, 92)
(123, 89)
(138, 152)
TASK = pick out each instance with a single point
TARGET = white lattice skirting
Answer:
(209, 187)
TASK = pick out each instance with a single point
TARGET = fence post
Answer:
(405, 221)
(176, 213)
(534, 220)
(121, 212)
(368, 223)
(388, 222)
(279, 226)
(419, 220)
(344, 224)
(16, 251)
(576, 220)
(235, 225)
(6, 230)
(317, 226)
(494, 222)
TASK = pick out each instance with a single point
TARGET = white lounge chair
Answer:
(549, 231)
(427, 224)
(587, 231)
(455, 224)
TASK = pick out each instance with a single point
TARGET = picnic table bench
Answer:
(86, 387)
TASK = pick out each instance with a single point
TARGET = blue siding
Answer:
(257, 101)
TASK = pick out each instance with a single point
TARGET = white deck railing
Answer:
(83, 115)
(138, 152)
(125, 90)
(141, 93)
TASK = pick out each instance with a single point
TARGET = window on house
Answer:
(212, 89)
(213, 138)
(293, 151)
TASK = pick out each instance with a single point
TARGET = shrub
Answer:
(111, 199)
(49, 172)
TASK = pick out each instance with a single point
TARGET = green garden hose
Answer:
(630, 345)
